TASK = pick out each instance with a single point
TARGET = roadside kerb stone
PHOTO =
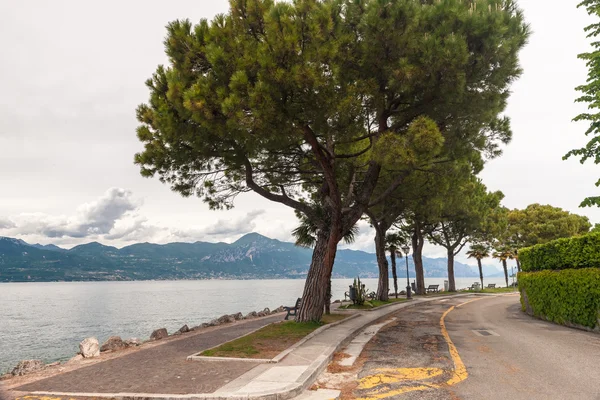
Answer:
(278, 357)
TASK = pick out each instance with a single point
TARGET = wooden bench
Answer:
(292, 311)
(433, 288)
(491, 286)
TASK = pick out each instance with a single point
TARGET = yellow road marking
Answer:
(394, 375)
(31, 397)
(399, 375)
(460, 370)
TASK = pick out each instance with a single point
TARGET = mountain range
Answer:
(253, 256)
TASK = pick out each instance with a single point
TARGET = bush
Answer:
(576, 252)
(566, 297)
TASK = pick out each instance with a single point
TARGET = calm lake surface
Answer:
(48, 320)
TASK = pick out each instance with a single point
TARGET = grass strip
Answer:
(370, 304)
(271, 340)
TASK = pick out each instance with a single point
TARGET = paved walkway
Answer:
(159, 369)
(162, 372)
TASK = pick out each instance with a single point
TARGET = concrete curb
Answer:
(314, 333)
(303, 382)
(278, 357)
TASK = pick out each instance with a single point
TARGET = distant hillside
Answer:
(253, 256)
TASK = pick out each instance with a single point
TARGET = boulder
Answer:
(251, 314)
(214, 322)
(159, 334)
(133, 342)
(225, 319)
(184, 329)
(114, 343)
(238, 316)
(205, 325)
(267, 311)
(89, 347)
(27, 366)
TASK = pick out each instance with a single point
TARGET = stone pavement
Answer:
(159, 369)
(163, 372)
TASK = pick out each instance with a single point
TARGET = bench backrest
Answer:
(433, 286)
(298, 302)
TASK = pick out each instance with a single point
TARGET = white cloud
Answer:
(91, 220)
(6, 223)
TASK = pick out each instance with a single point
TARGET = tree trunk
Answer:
(319, 274)
(328, 298)
(451, 283)
(480, 271)
(394, 275)
(384, 279)
(505, 272)
(518, 264)
(417, 244)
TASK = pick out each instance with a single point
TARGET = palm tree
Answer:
(393, 241)
(503, 253)
(479, 251)
(306, 236)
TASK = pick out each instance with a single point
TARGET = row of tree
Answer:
(341, 110)
(497, 232)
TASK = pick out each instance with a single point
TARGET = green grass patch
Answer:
(270, 340)
(499, 290)
(370, 304)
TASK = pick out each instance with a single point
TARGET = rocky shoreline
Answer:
(90, 348)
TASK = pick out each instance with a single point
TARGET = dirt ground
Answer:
(407, 359)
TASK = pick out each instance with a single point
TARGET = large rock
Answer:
(133, 342)
(114, 343)
(184, 329)
(89, 347)
(159, 334)
(224, 319)
(251, 314)
(264, 312)
(27, 366)
(238, 316)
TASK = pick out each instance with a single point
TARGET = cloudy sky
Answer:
(73, 73)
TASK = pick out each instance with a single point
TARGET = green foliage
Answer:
(538, 224)
(306, 233)
(564, 297)
(279, 97)
(576, 252)
(463, 214)
(478, 251)
(361, 293)
(590, 94)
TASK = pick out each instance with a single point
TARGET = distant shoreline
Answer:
(242, 279)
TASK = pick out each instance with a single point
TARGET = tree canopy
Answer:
(590, 94)
(537, 224)
(307, 103)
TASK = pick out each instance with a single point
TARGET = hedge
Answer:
(576, 252)
(569, 297)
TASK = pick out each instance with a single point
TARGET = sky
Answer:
(73, 72)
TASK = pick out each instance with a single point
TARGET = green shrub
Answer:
(571, 296)
(576, 252)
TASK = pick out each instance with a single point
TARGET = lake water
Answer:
(48, 320)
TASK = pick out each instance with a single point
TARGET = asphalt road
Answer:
(475, 347)
(529, 359)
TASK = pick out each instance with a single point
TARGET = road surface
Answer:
(475, 347)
